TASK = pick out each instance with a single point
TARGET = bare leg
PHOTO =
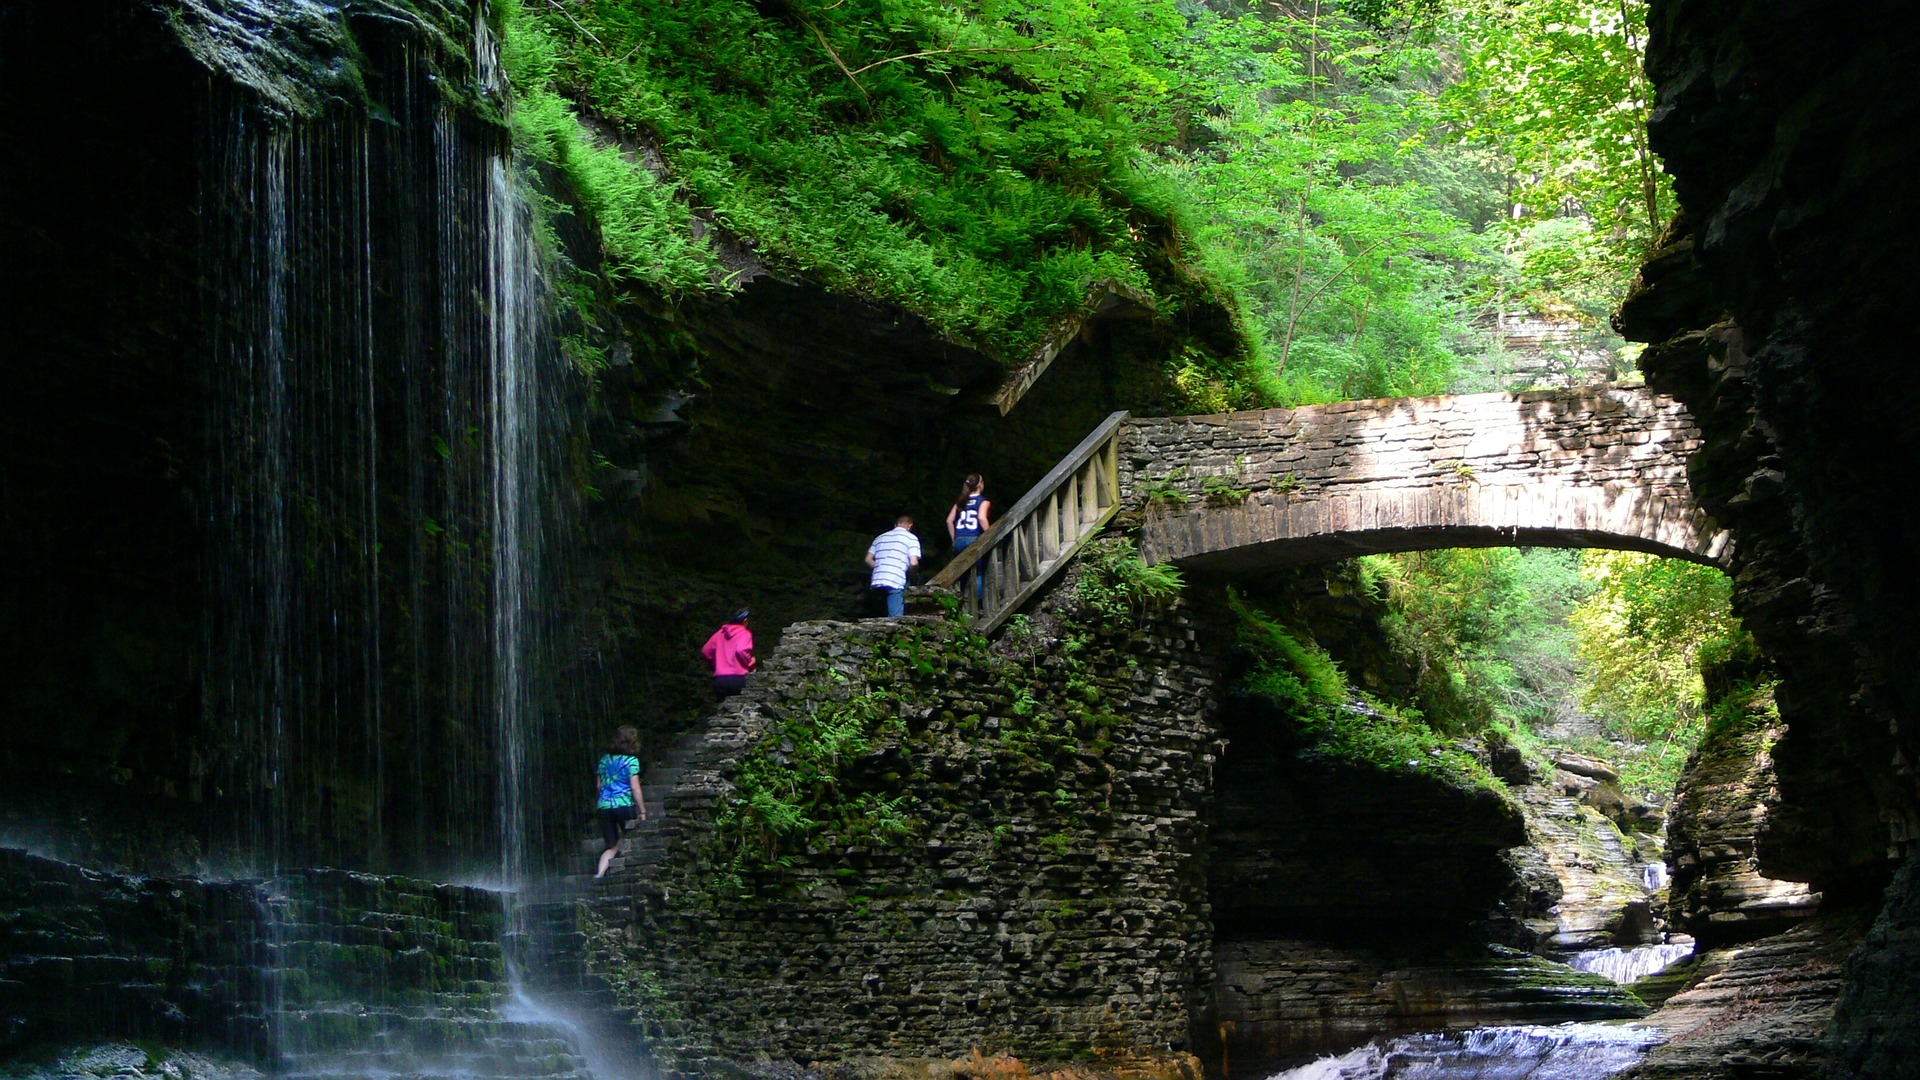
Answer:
(606, 857)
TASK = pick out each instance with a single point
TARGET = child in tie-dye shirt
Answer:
(620, 796)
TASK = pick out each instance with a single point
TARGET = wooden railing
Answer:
(1031, 542)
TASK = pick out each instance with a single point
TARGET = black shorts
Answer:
(725, 686)
(612, 818)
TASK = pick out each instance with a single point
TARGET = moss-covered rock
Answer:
(956, 847)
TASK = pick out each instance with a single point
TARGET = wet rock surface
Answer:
(1759, 1009)
(125, 1061)
(1605, 899)
(1723, 800)
(319, 972)
(1777, 309)
(1773, 307)
(1275, 999)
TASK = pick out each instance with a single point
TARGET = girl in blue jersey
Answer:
(970, 514)
(620, 795)
(968, 519)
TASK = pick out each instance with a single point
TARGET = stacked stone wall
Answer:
(1049, 901)
(1070, 898)
(1597, 467)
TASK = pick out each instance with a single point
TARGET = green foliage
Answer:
(795, 784)
(1652, 767)
(1526, 640)
(1554, 91)
(1116, 585)
(1489, 627)
(1288, 671)
(1745, 708)
(1298, 677)
(977, 164)
(1355, 184)
(1227, 490)
(643, 227)
(1643, 635)
(1557, 87)
(1328, 203)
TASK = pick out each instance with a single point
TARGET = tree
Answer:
(1558, 88)
(1306, 167)
(1642, 636)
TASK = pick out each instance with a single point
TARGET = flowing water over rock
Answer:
(1629, 966)
(1561, 1052)
(392, 427)
(394, 422)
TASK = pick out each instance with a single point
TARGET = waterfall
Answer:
(515, 414)
(1559, 1052)
(390, 429)
(1654, 876)
(1628, 966)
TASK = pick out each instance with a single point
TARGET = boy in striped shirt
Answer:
(891, 555)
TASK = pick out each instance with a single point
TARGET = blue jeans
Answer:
(962, 543)
(896, 601)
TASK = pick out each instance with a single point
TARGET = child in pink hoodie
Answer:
(731, 650)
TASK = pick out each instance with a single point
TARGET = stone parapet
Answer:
(1595, 467)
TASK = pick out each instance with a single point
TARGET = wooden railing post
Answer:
(1042, 532)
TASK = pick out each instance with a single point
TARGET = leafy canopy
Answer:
(977, 163)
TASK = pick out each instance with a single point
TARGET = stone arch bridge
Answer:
(1593, 467)
(1250, 491)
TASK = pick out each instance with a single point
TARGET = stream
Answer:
(1557, 1052)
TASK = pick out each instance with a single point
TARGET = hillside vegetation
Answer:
(1363, 185)
(1360, 184)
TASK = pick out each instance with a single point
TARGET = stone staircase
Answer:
(640, 844)
(549, 940)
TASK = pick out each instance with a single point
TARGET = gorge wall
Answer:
(1776, 309)
(320, 972)
(260, 463)
(1078, 842)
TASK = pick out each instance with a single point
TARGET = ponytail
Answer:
(971, 486)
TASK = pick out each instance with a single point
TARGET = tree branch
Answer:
(562, 9)
(1301, 306)
(837, 62)
(944, 52)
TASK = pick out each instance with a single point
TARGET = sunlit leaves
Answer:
(1556, 87)
(1306, 162)
(1643, 633)
(977, 163)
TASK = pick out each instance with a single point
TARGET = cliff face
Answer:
(1775, 311)
(1725, 797)
(1778, 309)
(257, 463)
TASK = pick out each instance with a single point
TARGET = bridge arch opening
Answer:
(1327, 866)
